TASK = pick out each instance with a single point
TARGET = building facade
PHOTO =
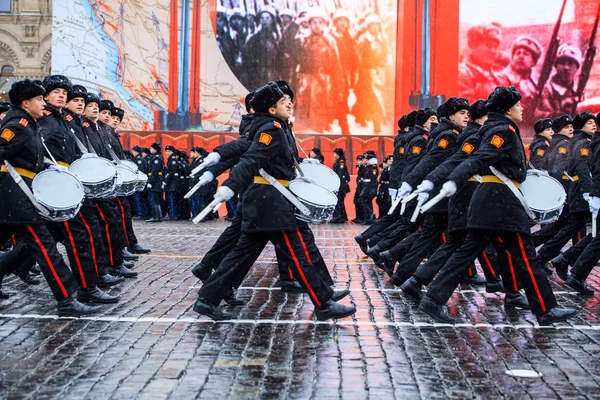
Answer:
(25, 41)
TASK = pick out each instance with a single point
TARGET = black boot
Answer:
(122, 270)
(476, 279)
(156, 214)
(70, 307)
(95, 295)
(137, 249)
(579, 285)
(362, 243)
(35, 269)
(556, 315)
(128, 264)
(128, 256)
(339, 294)
(544, 263)
(291, 286)
(108, 280)
(204, 307)
(435, 310)
(201, 271)
(230, 297)
(388, 262)
(26, 277)
(494, 286)
(333, 310)
(560, 265)
(412, 287)
(516, 300)
(374, 254)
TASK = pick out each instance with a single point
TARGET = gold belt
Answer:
(62, 163)
(21, 171)
(574, 178)
(493, 179)
(262, 181)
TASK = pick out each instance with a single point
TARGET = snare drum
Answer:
(60, 192)
(321, 175)
(545, 197)
(142, 180)
(320, 201)
(126, 181)
(130, 164)
(98, 175)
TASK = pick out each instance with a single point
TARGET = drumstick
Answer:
(192, 190)
(402, 208)
(213, 206)
(415, 214)
(395, 203)
(593, 226)
(440, 196)
(409, 197)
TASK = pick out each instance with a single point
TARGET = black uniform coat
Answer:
(414, 149)
(493, 206)
(172, 181)
(58, 136)
(97, 139)
(20, 145)
(265, 209)
(538, 152)
(558, 158)
(398, 162)
(578, 165)
(339, 167)
(155, 173)
(595, 165)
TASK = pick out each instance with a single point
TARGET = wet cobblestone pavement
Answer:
(151, 345)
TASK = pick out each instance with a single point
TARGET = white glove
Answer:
(311, 161)
(164, 184)
(223, 194)
(422, 198)
(586, 197)
(594, 205)
(392, 192)
(58, 168)
(449, 189)
(206, 177)
(425, 186)
(209, 160)
(149, 186)
(404, 190)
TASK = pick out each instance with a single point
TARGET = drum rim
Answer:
(309, 202)
(51, 207)
(94, 159)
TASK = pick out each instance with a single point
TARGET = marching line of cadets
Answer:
(435, 152)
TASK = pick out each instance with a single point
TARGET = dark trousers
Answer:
(239, 261)
(522, 260)
(89, 217)
(432, 234)
(173, 205)
(141, 204)
(574, 226)
(384, 204)
(573, 253)
(155, 199)
(339, 213)
(365, 202)
(39, 243)
(357, 207)
(588, 258)
(126, 222)
(381, 225)
(196, 204)
(108, 213)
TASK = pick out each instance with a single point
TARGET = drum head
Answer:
(125, 175)
(543, 193)
(322, 175)
(130, 164)
(93, 170)
(57, 190)
(312, 193)
(142, 176)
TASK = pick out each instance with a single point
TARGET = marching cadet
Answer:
(540, 145)
(369, 188)
(172, 183)
(184, 171)
(274, 219)
(502, 148)
(360, 168)
(384, 202)
(195, 198)
(155, 182)
(340, 168)
(21, 146)
(141, 198)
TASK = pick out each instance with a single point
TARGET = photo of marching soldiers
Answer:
(335, 54)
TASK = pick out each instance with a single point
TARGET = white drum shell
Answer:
(98, 176)
(320, 201)
(322, 175)
(545, 197)
(60, 192)
(126, 181)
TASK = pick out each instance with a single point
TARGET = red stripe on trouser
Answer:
(123, 221)
(110, 252)
(443, 237)
(75, 255)
(89, 231)
(512, 271)
(489, 264)
(47, 257)
(14, 240)
(304, 247)
(578, 236)
(291, 273)
(311, 293)
(535, 286)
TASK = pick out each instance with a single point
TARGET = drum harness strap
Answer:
(285, 192)
(14, 173)
(513, 188)
(569, 177)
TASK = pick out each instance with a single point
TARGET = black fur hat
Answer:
(77, 91)
(340, 152)
(4, 107)
(106, 105)
(118, 112)
(266, 96)
(542, 124)
(170, 148)
(52, 82)
(440, 112)
(145, 150)
(137, 148)
(403, 122)
(410, 118)
(25, 90)
(423, 115)
(248, 100)
(455, 104)
(478, 110)
(561, 122)
(581, 118)
(156, 146)
(286, 88)
(502, 99)
(92, 98)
